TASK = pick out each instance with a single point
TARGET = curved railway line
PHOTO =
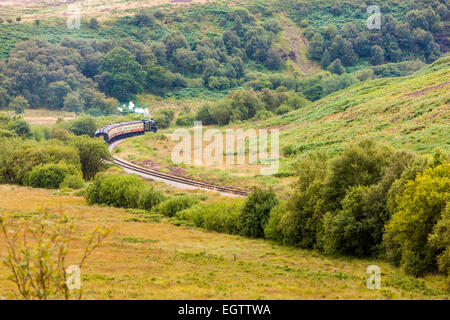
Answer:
(178, 180)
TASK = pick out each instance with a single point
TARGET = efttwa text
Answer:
(226, 309)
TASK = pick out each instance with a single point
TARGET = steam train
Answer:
(121, 130)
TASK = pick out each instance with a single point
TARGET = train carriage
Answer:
(122, 130)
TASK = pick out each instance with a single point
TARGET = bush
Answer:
(74, 181)
(440, 240)
(93, 153)
(357, 228)
(256, 212)
(150, 198)
(419, 208)
(26, 157)
(171, 206)
(273, 231)
(301, 224)
(220, 217)
(83, 126)
(164, 118)
(185, 120)
(49, 176)
(361, 163)
(115, 190)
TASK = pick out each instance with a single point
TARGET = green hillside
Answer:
(410, 112)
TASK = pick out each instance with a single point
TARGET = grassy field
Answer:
(161, 261)
(407, 112)
(155, 154)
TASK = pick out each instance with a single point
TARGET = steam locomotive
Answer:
(121, 130)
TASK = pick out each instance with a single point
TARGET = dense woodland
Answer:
(164, 52)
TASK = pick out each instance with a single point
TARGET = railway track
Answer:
(179, 180)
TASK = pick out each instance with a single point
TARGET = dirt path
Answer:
(297, 47)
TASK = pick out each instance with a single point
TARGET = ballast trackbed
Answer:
(179, 180)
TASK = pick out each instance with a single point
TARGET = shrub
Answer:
(273, 231)
(164, 118)
(220, 217)
(26, 157)
(115, 190)
(83, 125)
(440, 240)
(185, 120)
(150, 198)
(93, 153)
(49, 176)
(256, 211)
(74, 181)
(361, 163)
(223, 216)
(301, 224)
(419, 208)
(357, 228)
(171, 206)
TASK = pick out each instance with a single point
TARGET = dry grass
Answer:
(45, 117)
(162, 261)
(101, 9)
(156, 155)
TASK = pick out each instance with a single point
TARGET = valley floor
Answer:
(141, 260)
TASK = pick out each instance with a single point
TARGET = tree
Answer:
(185, 60)
(21, 128)
(256, 212)
(316, 47)
(4, 98)
(302, 222)
(361, 163)
(174, 41)
(419, 208)
(377, 55)
(93, 154)
(93, 23)
(83, 126)
(57, 91)
(336, 67)
(19, 104)
(274, 60)
(121, 75)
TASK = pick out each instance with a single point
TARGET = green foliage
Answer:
(121, 76)
(221, 217)
(273, 230)
(164, 118)
(26, 157)
(185, 120)
(83, 126)
(256, 212)
(49, 176)
(419, 208)
(74, 181)
(171, 206)
(19, 104)
(150, 198)
(440, 241)
(21, 128)
(93, 153)
(115, 190)
(360, 163)
(302, 222)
